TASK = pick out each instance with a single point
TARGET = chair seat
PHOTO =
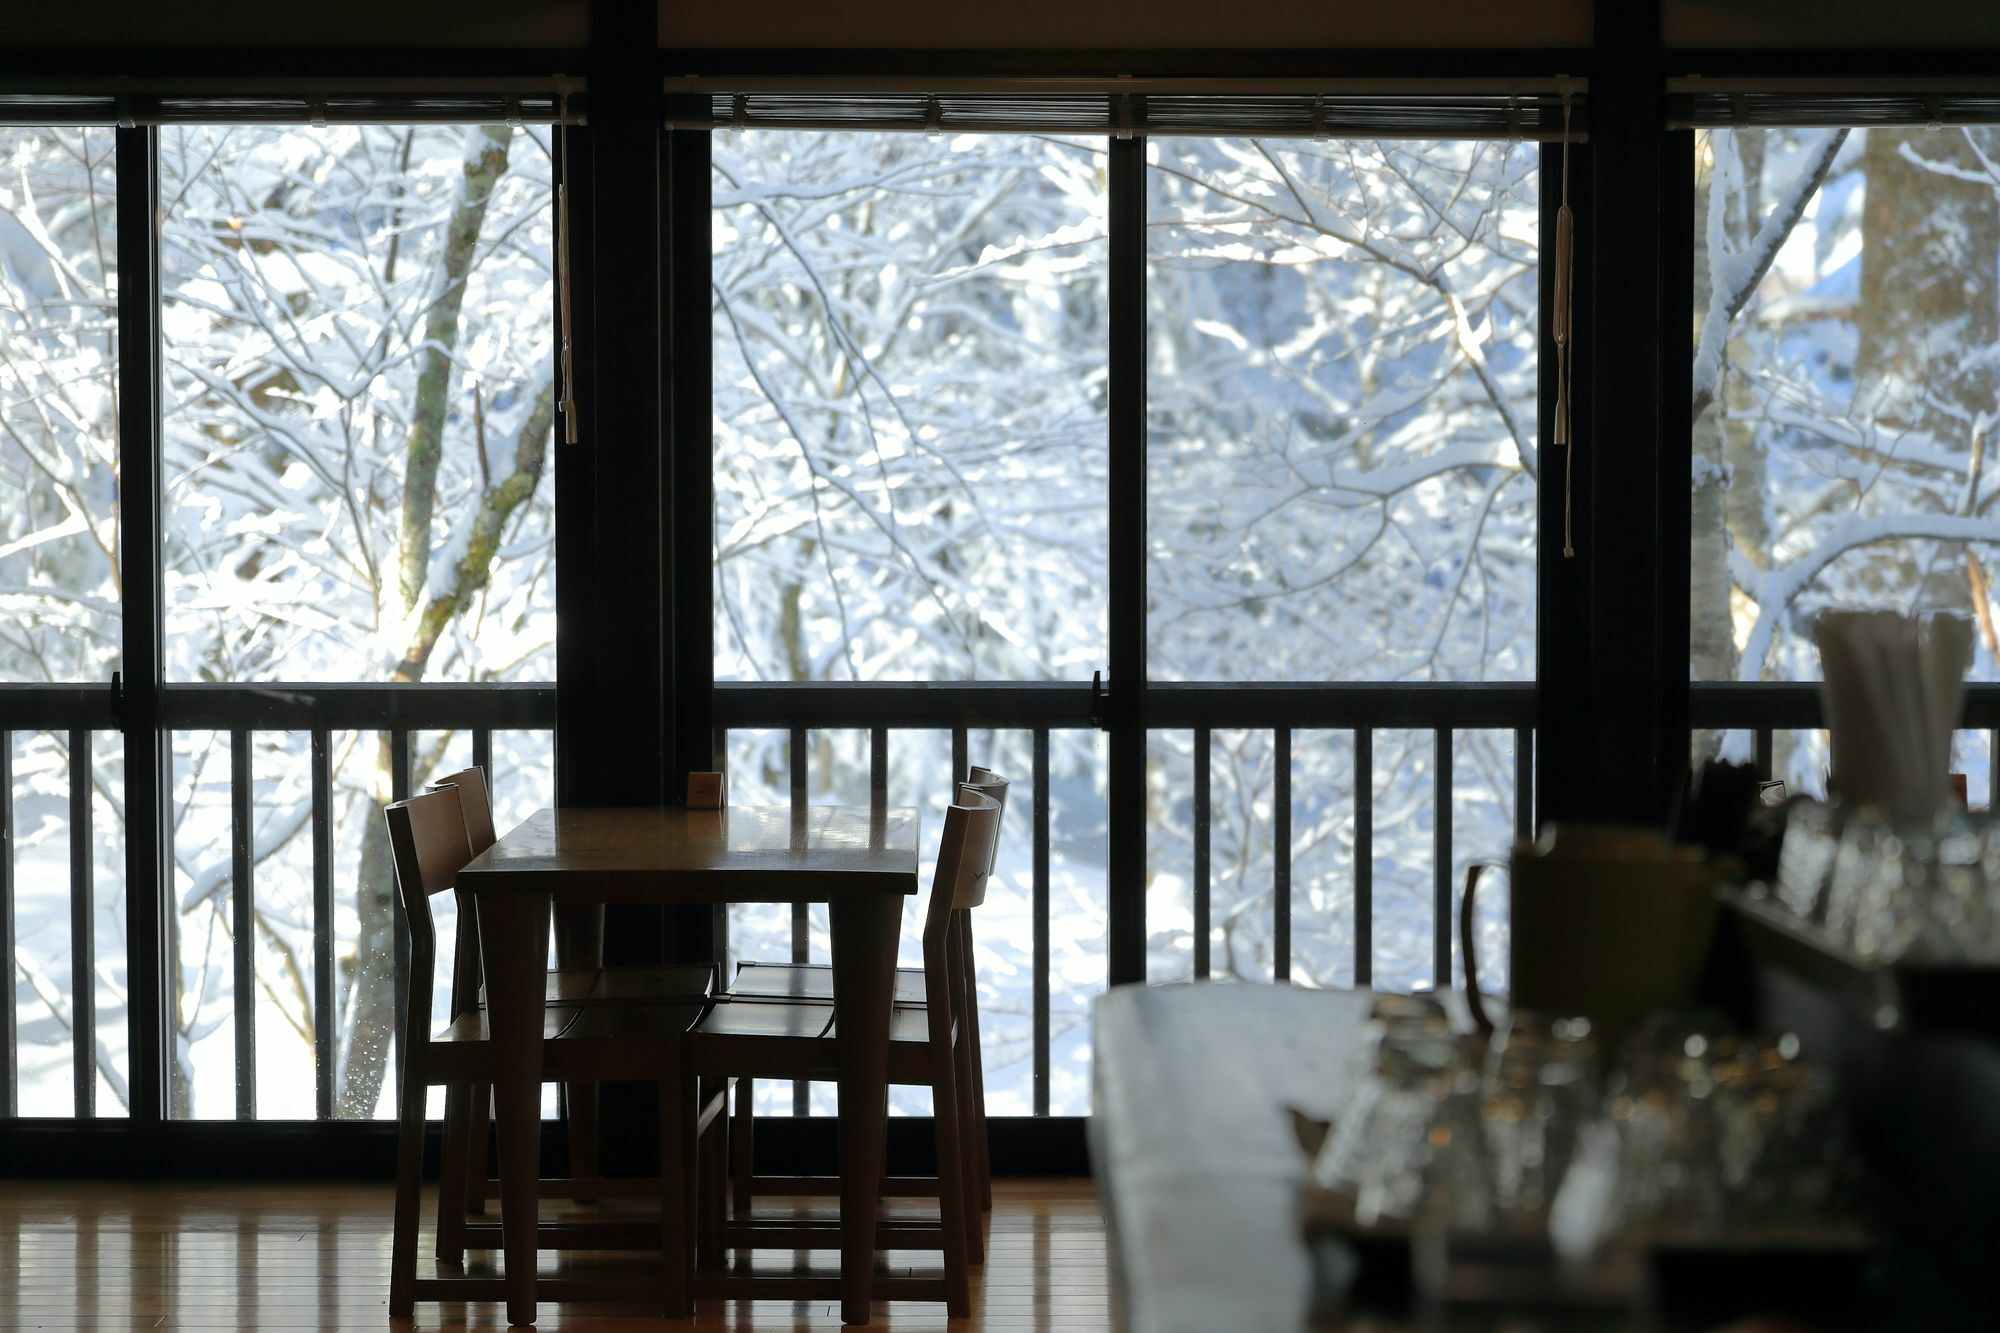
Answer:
(908, 1026)
(584, 1042)
(626, 985)
(804, 1022)
(813, 981)
(572, 1022)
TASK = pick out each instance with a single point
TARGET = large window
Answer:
(1341, 467)
(1847, 302)
(59, 604)
(910, 463)
(358, 331)
(912, 391)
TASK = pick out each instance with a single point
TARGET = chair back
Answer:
(477, 802)
(990, 784)
(428, 845)
(965, 859)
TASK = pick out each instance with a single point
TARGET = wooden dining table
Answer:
(859, 860)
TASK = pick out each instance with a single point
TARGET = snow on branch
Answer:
(1774, 590)
(1733, 275)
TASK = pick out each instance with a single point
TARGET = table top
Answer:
(1196, 1162)
(742, 854)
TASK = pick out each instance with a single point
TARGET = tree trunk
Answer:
(1930, 300)
(371, 1007)
(485, 163)
(1744, 504)
(1712, 637)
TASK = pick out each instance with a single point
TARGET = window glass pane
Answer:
(910, 428)
(58, 405)
(1847, 302)
(1341, 410)
(360, 391)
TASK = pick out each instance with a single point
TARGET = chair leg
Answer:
(676, 1207)
(580, 1109)
(969, 1131)
(741, 1148)
(477, 1140)
(409, 1200)
(952, 1196)
(451, 1175)
(711, 1185)
(975, 1093)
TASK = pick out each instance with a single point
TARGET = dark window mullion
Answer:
(148, 936)
(1126, 718)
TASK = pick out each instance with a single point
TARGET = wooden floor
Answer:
(139, 1256)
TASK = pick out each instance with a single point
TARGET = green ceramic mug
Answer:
(1605, 922)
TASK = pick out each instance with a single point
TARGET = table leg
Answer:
(580, 945)
(514, 937)
(865, 928)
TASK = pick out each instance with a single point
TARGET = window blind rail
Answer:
(1536, 117)
(1857, 105)
(294, 105)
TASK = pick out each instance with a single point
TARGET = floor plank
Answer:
(119, 1255)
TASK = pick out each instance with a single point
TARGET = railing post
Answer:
(1203, 814)
(82, 928)
(1039, 913)
(243, 927)
(801, 913)
(1441, 866)
(322, 869)
(1281, 855)
(1364, 856)
(9, 1062)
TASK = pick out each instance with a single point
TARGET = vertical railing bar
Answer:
(482, 756)
(1364, 857)
(1441, 913)
(82, 927)
(322, 869)
(242, 924)
(878, 767)
(1993, 770)
(1761, 752)
(1524, 784)
(9, 1100)
(1039, 913)
(1202, 815)
(718, 754)
(1281, 855)
(399, 790)
(961, 754)
(801, 912)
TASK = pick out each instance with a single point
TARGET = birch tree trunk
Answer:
(370, 988)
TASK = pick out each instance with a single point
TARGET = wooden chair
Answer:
(427, 838)
(814, 981)
(778, 1038)
(469, 1111)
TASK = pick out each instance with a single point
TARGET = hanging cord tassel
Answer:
(567, 403)
(1559, 319)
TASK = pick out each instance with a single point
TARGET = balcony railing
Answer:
(79, 713)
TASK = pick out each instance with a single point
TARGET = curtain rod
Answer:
(1100, 129)
(707, 84)
(1833, 87)
(303, 86)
